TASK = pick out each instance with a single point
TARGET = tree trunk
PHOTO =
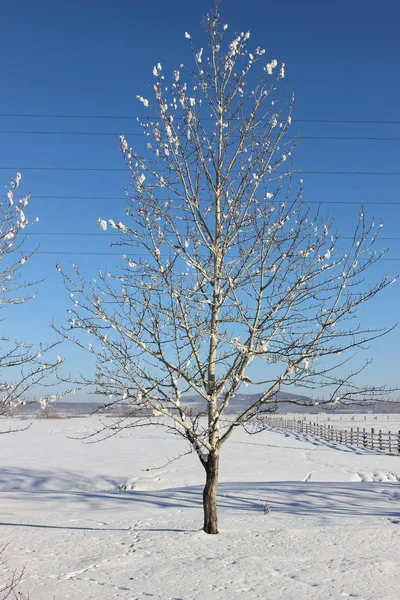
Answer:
(210, 494)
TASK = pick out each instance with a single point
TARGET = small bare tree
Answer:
(10, 588)
(22, 368)
(227, 277)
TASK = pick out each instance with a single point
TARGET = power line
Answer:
(121, 169)
(64, 253)
(116, 134)
(345, 173)
(109, 233)
(347, 202)
(78, 116)
(360, 121)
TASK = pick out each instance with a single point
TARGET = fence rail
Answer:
(386, 441)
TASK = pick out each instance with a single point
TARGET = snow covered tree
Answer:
(22, 367)
(227, 277)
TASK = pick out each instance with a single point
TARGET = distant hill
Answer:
(240, 402)
(285, 404)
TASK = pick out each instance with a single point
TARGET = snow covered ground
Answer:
(333, 530)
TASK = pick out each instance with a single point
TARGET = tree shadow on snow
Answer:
(66, 527)
(18, 479)
(350, 499)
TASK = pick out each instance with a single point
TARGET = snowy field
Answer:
(333, 530)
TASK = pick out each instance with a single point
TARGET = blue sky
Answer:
(94, 57)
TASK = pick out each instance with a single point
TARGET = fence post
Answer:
(398, 441)
(390, 442)
(372, 437)
(380, 440)
(358, 437)
(351, 436)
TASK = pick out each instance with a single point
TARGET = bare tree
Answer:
(11, 588)
(227, 277)
(22, 367)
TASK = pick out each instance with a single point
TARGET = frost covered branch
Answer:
(22, 367)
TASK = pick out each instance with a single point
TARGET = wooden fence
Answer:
(374, 439)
